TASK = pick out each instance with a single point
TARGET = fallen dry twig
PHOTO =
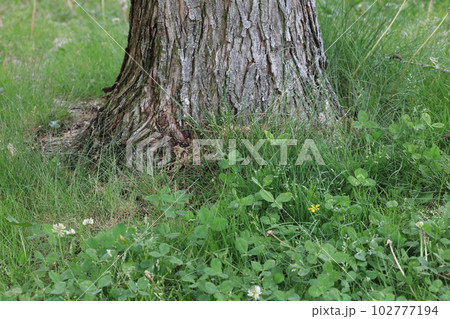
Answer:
(270, 233)
(399, 58)
(417, 52)
(389, 243)
(149, 276)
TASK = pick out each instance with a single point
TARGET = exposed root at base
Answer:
(68, 130)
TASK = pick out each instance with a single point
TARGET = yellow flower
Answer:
(314, 208)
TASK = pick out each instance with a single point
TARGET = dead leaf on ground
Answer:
(12, 149)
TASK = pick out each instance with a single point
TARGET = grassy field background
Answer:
(200, 233)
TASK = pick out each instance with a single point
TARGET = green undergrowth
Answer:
(314, 231)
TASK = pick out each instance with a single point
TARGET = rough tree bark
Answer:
(188, 58)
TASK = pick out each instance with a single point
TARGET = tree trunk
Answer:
(188, 58)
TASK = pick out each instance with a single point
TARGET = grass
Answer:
(210, 242)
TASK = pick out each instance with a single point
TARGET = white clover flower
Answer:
(419, 224)
(71, 232)
(88, 221)
(254, 292)
(59, 229)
